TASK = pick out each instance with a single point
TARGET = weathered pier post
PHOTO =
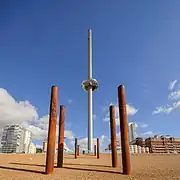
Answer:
(78, 150)
(52, 131)
(113, 136)
(94, 150)
(75, 149)
(124, 131)
(61, 137)
(98, 148)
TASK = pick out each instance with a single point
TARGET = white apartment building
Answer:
(45, 145)
(132, 132)
(32, 148)
(0, 147)
(15, 139)
(27, 141)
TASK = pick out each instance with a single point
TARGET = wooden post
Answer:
(113, 136)
(78, 150)
(126, 163)
(98, 148)
(52, 131)
(75, 148)
(94, 150)
(61, 137)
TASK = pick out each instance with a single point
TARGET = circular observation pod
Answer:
(90, 84)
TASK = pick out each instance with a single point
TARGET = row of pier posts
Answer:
(77, 149)
(52, 134)
(126, 164)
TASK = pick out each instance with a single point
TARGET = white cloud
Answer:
(12, 111)
(39, 129)
(70, 101)
(40, 133)
(130, 112)
(94, 116)
(82, 142)
(174, 95)
(103, 138)
(68, 134)
(42, 123)
(162, 109)
(143, 125)
(148, 133)
(167, 109)
(37, 133)
(172, 85)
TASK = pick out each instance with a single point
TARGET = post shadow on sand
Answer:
(94, 170)
(72, 168)
(93, 165)
(19, 169)
(24, 164)
(41, 172)
(41, 165)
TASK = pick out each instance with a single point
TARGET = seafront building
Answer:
(132, 132)
(159, 144)
(163, 144)
(16, 139)
(156, 144)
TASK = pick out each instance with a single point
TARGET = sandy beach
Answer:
(144, 166)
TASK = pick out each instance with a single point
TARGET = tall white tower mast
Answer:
(90, 85)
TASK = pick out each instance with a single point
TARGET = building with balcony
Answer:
(15, 139)
(163, 144)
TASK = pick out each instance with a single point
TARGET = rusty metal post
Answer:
(113, 136)
(126, 163)
(95, 150)
(75, 148)
(98, 148)
(78, 150)
(61, 137)
(52, 131)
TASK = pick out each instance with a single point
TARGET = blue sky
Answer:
(135, 43)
